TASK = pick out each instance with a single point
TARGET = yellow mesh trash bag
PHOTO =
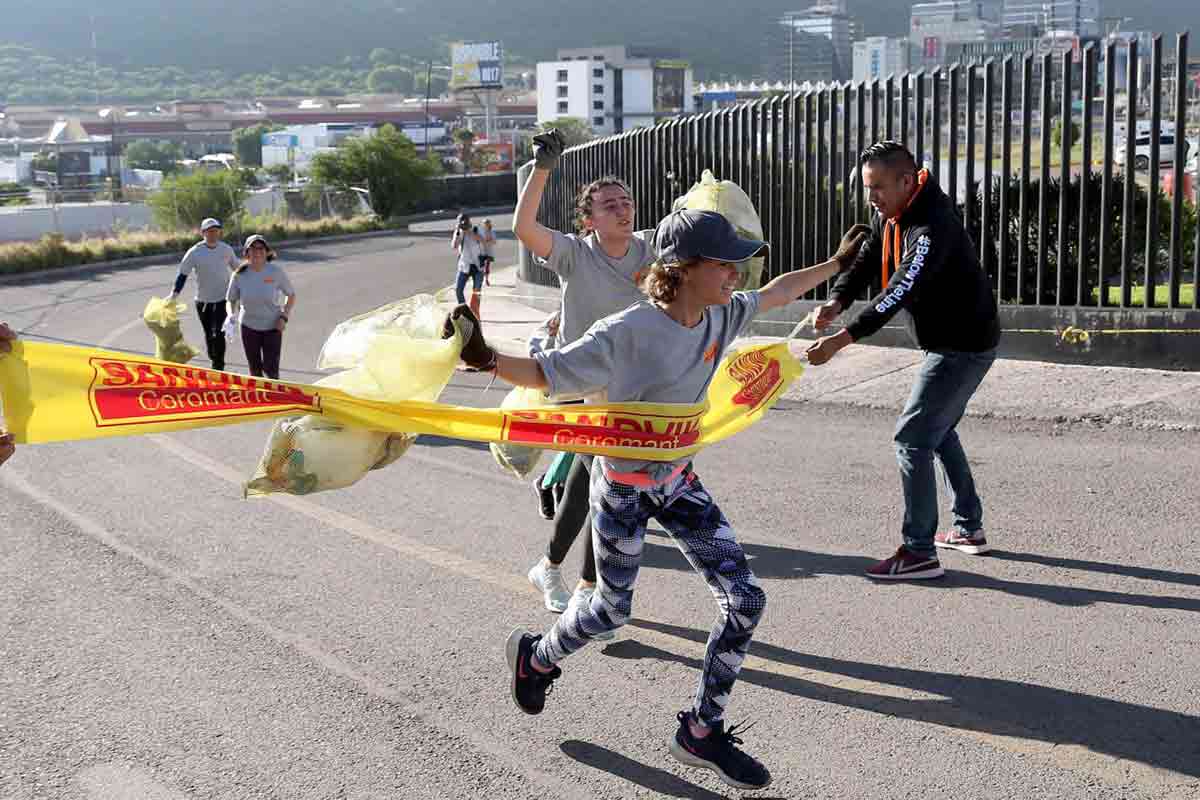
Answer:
(518, 459)
(394, 353)
(162, 318)
(728, 200)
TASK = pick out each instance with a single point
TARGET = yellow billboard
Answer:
(476, 65)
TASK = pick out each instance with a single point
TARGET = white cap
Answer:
(209, 223)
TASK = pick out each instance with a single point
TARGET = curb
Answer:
(141, 261)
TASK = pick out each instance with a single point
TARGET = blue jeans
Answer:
(476, 276)
(946, 382)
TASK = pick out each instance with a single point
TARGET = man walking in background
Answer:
(213, 262)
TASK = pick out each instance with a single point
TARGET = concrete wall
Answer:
(25, 223)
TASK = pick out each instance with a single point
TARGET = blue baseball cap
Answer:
(687, 234)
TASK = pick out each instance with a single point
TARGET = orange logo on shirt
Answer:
(711, 353)
(268, 280)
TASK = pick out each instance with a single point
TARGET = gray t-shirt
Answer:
(258, 292)
(212, 266)
(593, 284)
(642, 355)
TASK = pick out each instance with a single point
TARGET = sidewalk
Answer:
(864, 376)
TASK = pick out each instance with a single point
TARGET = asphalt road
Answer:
(160, 637)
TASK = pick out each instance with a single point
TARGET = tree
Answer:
(438, 84)
(574, 130)
(390, 80)
(280, 173)
(381, 57)
(184, 200)
(247, 143)
(465, 139)
(147, 154)
(386, 164)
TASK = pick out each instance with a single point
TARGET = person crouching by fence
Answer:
(253, 295)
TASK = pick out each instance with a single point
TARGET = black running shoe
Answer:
(529, 687)
(545, 500)
(718, 751)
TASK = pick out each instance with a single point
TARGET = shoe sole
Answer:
(545, 600)
(680, 753)
(972, 549)
(922, 575)
(512, 649)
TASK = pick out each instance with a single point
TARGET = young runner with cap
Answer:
(663, 351)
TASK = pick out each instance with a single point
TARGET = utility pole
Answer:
(428, 84)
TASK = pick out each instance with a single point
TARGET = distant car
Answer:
(1141, 151)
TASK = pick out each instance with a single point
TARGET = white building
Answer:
(297, 144)
(614, 89)
(815, 44)
(934, 26)
(1057, 17)
(879, 56)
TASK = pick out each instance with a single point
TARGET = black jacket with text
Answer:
(938, 280)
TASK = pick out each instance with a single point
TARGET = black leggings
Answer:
(572, 516)
(262, 351)
(212, 317)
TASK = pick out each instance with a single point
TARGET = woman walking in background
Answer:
(253, 295)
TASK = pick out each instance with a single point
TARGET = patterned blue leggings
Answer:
(700, 530)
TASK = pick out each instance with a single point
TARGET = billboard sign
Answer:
(669, 86)
(476, 65)
(280, 140)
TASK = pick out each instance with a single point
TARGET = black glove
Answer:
(547, 147)
(476, 353)
(848, 249)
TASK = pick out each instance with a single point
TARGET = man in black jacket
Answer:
(930, 270)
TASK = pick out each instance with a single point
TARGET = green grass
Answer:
(1187, 293)
(53, 251)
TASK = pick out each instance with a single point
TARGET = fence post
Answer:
(1044, 179)
(985, 206)
(1106, 199)
(1152, 192)
(1181, 77)
(1085, 175)
(1128, 208)
(1006, 89)
(1066, 93)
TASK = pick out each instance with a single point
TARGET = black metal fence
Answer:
(1094, 229)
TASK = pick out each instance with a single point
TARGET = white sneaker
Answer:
(583, 597)
(549, 581)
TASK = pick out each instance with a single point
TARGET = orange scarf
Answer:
(891, 244)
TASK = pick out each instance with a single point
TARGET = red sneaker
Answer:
(907, 566)
(954, 539)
